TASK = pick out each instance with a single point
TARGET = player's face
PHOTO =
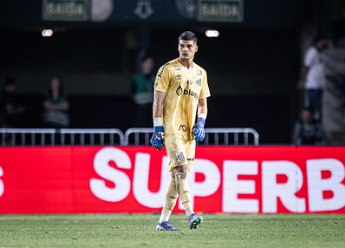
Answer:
(187, 49)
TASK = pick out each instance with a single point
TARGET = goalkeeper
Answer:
(180, 92)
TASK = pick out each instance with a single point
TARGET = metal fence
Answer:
(82, 137)
(231, 136)
(213, 136)
(63, 137)
(27, 136)
(114, 136)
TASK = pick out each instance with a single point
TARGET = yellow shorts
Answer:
(180, 150)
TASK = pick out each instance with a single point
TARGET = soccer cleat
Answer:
(194, 220)
(165, 226)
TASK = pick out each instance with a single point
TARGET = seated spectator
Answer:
(56, 106)
(11, 110)
(307, 131)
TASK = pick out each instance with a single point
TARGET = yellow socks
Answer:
(170, 197)
(183, 190)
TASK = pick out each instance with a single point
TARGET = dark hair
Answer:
(308, 109)
(145, 57)
(188, 35)
(319, 37)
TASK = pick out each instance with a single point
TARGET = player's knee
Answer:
(181, 169)
(180, 177)
(181, 184)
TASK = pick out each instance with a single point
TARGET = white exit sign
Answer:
(65, 10)
(220, 10)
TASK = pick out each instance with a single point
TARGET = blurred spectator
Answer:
(313, 76)
(11, 112)
(142, 92)
(56, 106)
(307, 131)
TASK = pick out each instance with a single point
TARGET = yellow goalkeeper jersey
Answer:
(183, 87)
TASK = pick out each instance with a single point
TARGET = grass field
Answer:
(257, 231)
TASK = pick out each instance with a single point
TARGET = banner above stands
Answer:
(158, 13)
(134, 179)
(101, 10)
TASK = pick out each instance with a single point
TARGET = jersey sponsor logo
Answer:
(198, 82)
(190, 93)
(181, 91)
(177, 67)
(161, 71)
(184, 128)
(179, 156)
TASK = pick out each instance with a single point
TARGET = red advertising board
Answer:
(263, 179)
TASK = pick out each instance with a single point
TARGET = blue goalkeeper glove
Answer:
(157, 138)
(198, 129)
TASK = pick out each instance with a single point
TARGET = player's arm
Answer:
(158, 99)
(198, 129)
(202, 108)
(157, 110)
(51, 106)
(303, 76)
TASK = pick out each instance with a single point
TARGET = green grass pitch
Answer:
(114, 230)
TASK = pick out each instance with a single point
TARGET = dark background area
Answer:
(253, 66)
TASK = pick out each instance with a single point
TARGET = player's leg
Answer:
(178, 163)
(193, 219)
(182, 187)
(180, 151)
(169, 201)
(170, 196)
(169, 204)
(185, 197)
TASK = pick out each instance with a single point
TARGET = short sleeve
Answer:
(162, 79)
(205, 91)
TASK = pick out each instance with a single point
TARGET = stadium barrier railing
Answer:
(63, 137)
(91, 136)
(114, 136)
(213, 136)
(228, 136)
(27, 136)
